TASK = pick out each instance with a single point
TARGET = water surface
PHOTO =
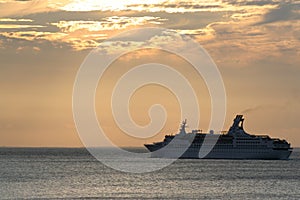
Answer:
(48, 173)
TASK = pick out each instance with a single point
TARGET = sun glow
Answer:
(103, 5)
(169, 6)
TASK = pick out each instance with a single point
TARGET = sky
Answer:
(254, 43)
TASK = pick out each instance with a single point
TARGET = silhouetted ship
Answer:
(234, 144)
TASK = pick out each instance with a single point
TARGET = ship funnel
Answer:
(237, 124)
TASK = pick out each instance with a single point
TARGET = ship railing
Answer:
(263, 136)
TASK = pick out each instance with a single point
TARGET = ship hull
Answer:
(193, 153)
(244, 154)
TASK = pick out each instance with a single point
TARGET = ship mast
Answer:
(182, 128)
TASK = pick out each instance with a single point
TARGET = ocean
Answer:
(63, 173)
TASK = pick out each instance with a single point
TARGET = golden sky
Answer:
(255, 44)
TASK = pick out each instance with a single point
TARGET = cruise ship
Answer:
(232, 144)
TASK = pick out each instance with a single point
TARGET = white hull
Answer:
(226, 154)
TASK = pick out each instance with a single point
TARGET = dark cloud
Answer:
(282, 13)
(259, 3)
(27, 35)
(251, 2)
(188, 6)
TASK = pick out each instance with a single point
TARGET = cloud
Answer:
(180, 7)
(19, 8)
(77, 42)
(282, 13)
(203, 34)
(34, 35)
(168, 6)
(15, 20)
(79, 34)
(251, 41)
(27, 48)
(103, 5)
(18, 26)
(243, 28)
(108, 23)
